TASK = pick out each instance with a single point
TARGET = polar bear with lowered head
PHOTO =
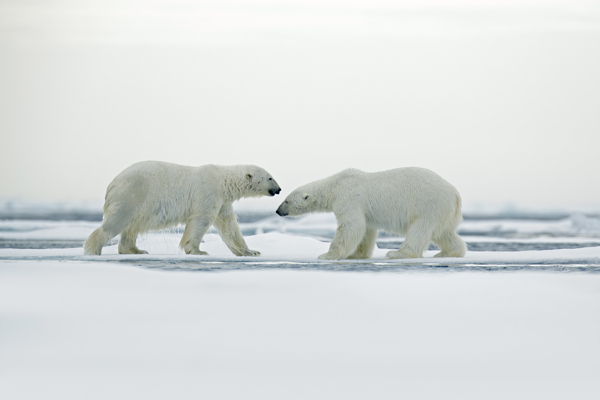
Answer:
(155, 195)
(414, 202)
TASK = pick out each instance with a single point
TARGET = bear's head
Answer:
(300, 201)
(260, 182)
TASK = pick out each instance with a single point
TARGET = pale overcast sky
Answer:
(502, 98)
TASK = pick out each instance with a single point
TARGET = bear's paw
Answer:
(399, 254)
(327, 256)
(197, 252)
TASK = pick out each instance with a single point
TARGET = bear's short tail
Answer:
(458, 212)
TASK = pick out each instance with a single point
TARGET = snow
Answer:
(116, 327)
(107, 331)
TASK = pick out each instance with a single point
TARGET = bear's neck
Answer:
(334, 190)
(235, 184)
(323, 198)
(324, 204)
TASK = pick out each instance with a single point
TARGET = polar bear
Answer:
(414, 202)
(154, 195)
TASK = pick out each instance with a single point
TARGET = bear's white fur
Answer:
(414, 202)
(154, 195)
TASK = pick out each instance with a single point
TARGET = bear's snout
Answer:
(273, 192)
(280, 213)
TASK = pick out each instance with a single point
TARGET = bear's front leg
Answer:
(195, 228)
(229, 230)
(349, 233)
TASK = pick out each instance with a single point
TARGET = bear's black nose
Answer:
(280, 213)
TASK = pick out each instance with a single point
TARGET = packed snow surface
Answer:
(84, 330)
(288, 326)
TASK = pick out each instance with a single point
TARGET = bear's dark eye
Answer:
(270, 179)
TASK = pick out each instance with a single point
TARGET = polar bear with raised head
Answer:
(414, 202)
(155, 195)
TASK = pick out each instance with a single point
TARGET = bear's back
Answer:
(154, 180)
(413, 181)
(392, 199)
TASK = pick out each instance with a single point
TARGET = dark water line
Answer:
(336, 266)
(341, 266)
(363, 267)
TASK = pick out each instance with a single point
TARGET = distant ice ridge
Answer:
(71, 210)
(585, 225)
(19, 205)
(253, 209)
(575, 225)
(323, 226)
(46, 230)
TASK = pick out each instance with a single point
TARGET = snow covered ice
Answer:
(288, 326)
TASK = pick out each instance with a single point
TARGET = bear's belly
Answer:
(392, 226)
(390, 220)
(165, 215)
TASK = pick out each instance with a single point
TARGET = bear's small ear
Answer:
(305, 196)
(249, 176)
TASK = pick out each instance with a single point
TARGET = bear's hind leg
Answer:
(417, 240)
(108, 230)
(127, 243)
(366, 246)
(94, 243)
(117, 216)
(451, 245)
